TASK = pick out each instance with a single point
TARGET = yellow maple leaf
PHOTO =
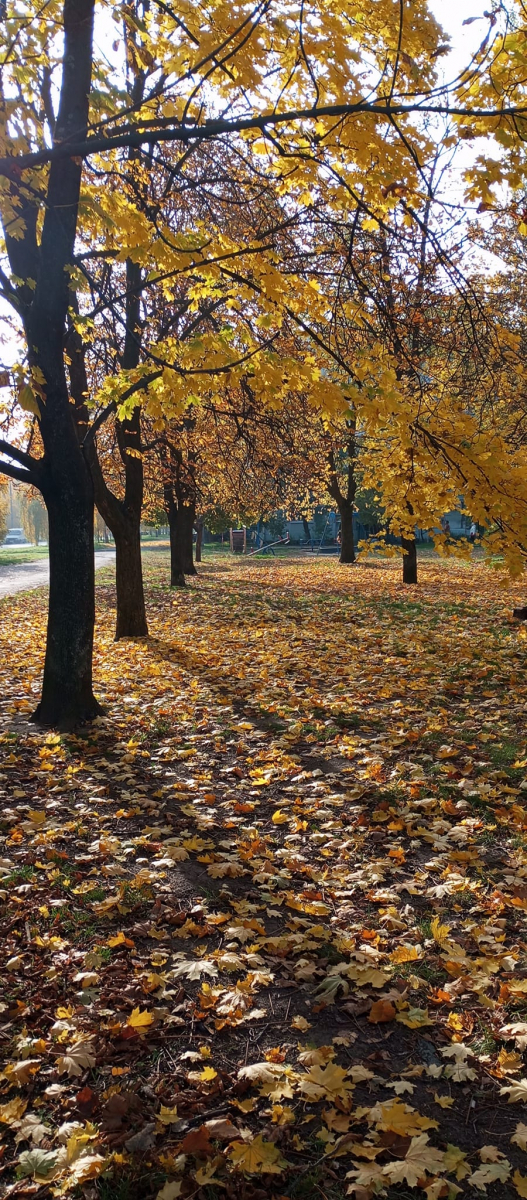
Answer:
(119, 939)
(439, 932)
(419, 1160)
(207, 1074)
(19, 1073)
(300, 1023)
(398, 1117)
(140, 1020)
(520, 1183)
(13, 1110)
(167, 1116)
(405, 954)
(254, 1158)
(326, 1083)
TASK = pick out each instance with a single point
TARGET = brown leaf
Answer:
(87, 1101)
(114, 1111)
(197, 1141)
(380, 1011)
(221, 1128)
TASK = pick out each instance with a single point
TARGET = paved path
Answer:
(22, 576)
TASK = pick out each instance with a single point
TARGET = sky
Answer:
(451, 14)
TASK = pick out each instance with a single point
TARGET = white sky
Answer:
(465, 39)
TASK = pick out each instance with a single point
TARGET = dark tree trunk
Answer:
(131, 616)
(123, 518)
(67, 695)
(347, 544)
(186, 516)
(177, 573)
(344, 498)
(181, 522)
(64, 478)
(199, 539)
(409, 546)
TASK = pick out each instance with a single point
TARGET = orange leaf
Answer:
(382, 1010)
(197, 1142)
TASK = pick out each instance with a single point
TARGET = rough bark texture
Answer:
(347, 545)
(67, 695)
(187, 513)
(177, 572)
(123, 517)
(131, 617)
(409, 546)
(199, 538)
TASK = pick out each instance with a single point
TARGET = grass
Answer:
(130, 1186)
(12, 556)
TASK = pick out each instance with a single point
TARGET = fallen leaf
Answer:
(381, 1011)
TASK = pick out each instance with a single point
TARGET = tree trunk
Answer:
(347, 545)
(177, 573)
(409, 546)
(62, 474)
(186, 516)
(131, 616)
(124, 521)
(199, 539)
(67, 695)
(123, 518)
(181, 522)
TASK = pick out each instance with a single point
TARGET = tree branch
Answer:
(134, 137)
(20, 456)
(17, 473)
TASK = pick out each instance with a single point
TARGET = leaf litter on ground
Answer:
(264, 922)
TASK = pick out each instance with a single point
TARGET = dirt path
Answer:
(22, 576)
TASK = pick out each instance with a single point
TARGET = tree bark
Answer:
(186, 516)
(67, 695)
(181, 522)
(347, 544)
(63, 474)
(177, 573)
(199, 538)
(131, 616)
(123, 517)
(409, 546)
(344, 499)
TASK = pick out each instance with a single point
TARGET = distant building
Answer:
(459, 523)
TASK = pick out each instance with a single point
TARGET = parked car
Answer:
(15, 537)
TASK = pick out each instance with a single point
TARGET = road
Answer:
(23, 576)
